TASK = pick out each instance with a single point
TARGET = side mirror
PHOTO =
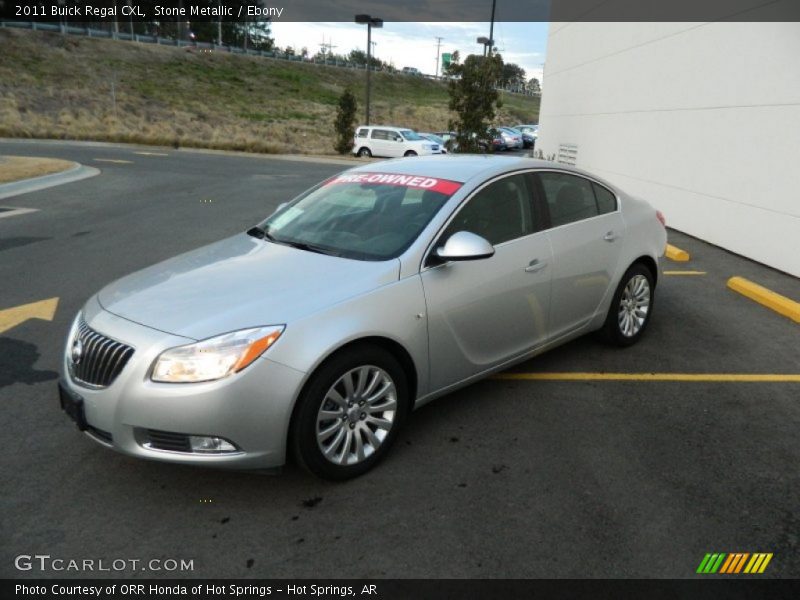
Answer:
(398, 139)
(464, 245)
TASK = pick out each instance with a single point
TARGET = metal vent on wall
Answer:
(567, 154)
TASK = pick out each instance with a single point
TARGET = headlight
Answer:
(215, 357)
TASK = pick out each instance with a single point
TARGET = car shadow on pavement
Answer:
(17, 359)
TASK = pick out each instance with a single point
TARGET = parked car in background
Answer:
(392, 142)
(411, 71)
(436, 139)
(529, 132)
(319, 330)
(511, 137)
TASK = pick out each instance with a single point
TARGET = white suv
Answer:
(391, 142)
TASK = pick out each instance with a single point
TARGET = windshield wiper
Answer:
(308, 247)
(261, 233)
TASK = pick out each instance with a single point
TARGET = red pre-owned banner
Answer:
(443, 186)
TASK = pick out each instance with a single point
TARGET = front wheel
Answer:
(350, 412)
(631, 307)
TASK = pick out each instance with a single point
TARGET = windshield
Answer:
(365, 216)
(411, 136)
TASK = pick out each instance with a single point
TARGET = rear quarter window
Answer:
(606, 201)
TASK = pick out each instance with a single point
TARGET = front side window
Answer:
(364, 216)
(499, 212)
(570, 198)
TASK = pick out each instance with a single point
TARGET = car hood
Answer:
(237, 283)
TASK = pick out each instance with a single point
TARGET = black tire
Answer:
(303, 431)
(364, 153)
(614, 329)
(410, 153)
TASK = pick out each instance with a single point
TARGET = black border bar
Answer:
(88, 11)
(401, 589)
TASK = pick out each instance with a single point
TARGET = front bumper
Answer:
(251, 409)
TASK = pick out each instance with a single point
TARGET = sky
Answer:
(414, 44)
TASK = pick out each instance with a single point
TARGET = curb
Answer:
(34, 184)
(676, 254)
(780, 304)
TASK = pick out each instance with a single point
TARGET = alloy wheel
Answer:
(356, 415)
(634, 305)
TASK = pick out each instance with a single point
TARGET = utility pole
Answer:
(219, 24)
(491, 27)
(370, 22)
(438, 47)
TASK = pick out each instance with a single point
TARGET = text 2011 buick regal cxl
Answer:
(317, 331)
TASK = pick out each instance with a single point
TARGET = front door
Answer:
(481, 313)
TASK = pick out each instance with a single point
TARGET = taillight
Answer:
(661, 219)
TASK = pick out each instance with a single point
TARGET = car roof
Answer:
(384, 127)
(464, 167)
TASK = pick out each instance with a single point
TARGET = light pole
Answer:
(487, 42)
(370, 22)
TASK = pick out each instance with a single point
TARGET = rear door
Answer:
(482, 313)
(382, 142)
(586, 232)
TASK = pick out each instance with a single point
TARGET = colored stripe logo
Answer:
(734, 563)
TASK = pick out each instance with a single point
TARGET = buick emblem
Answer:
(77, 351)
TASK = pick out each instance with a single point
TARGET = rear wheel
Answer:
(349, 414)
(410, 153)
(631, 307)
(364, 153)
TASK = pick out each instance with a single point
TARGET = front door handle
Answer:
(535, 265)
(610, 236)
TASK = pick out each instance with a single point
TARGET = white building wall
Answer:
(701, 119)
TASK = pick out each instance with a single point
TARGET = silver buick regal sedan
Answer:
(316, 332)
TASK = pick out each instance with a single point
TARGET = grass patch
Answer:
(16, 168)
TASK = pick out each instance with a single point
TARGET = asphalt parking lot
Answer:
(545, 475)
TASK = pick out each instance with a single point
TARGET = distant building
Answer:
(701, 119)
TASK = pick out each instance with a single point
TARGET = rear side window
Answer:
(382, 134)
(363, 132)
(569, 198)
(606, 201)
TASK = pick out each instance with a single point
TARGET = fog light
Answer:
(203, 443)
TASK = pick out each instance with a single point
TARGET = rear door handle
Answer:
(535, 265)
(610, 236)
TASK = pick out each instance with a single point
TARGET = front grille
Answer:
(167, 440)
(101, 358)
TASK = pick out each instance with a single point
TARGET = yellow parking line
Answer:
(709, 377)
(114, 160)
(152, 153)
(683, 272)
(676, 254)
(780, 304)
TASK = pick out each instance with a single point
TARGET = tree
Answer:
(534, 87)
(513, 76)
(345, 116)
(474, 98)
